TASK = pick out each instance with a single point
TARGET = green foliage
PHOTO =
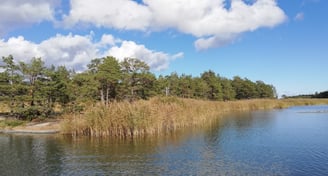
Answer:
(246, 89)
(227, 89)
(108, 74)
(137, 81)
(34, 90)
(214, 91)
(11, 123)
(85, 87)
(32, 112)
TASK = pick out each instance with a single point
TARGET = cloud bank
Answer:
(213, 22)
(76, 51)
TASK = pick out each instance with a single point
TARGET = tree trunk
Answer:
(32, 82)
(102, 98)
(32, 95)
(107, 95)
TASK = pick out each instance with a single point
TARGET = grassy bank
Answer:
(162, 115)
(10, 123)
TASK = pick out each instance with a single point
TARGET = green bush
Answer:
(32, 112)
(11, 123)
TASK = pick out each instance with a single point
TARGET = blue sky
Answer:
(284, 42)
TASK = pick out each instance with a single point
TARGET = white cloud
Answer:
(156, 60)
(73, 51)
(22, 48)
(121, 14)
(213, 42)
(17, 13)
(212, 22)
(107, 39)
(208, 20)
(76, 51)
(299, 16)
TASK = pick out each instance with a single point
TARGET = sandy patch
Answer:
(39, 126)
(36, 128)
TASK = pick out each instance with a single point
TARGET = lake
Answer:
(291, 141)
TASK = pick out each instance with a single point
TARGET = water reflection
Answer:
(109, 156)
(28, 155)
(279, 142)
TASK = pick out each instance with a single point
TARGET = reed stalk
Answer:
(162, 115)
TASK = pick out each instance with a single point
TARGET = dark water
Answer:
(292, 141)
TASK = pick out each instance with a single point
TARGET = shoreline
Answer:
(48, 127)
(178, 114)
(164, 115)
(29, 131)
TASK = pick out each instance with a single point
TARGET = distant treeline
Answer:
(323, 94)
(32, 89)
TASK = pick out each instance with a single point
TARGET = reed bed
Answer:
(162, 115)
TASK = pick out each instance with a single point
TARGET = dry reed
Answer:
(162, 115)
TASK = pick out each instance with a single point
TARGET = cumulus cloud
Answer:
(213, 23)
(20, 47)
(156, 60)
(17, 13)
(121, 14)
(76, 51)
(73, 51)
(208, 20)
(107, 39)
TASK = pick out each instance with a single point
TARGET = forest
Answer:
(323, 94)
(316, 95)
(32, 89)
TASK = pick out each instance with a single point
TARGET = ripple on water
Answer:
(281, 142)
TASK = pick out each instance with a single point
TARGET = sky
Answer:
(281, 42)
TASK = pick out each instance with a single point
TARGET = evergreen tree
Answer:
(227, 89)
(85, 87)
(10, 80)
(108, 75)
(201, 88)
(33, 90)
(214, 91)
(34, 72)
(137, 79)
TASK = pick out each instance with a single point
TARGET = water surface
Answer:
(291, 141)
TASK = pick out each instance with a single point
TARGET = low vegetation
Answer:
(162, 115)
(31, 89)
(10, 123)
(124, 99)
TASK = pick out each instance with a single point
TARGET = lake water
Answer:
(291, 141)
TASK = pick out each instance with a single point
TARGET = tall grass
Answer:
(4, 107)
(162, 115)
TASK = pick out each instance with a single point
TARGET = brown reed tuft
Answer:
(162, 115)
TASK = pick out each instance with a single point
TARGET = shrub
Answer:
(32, 112)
